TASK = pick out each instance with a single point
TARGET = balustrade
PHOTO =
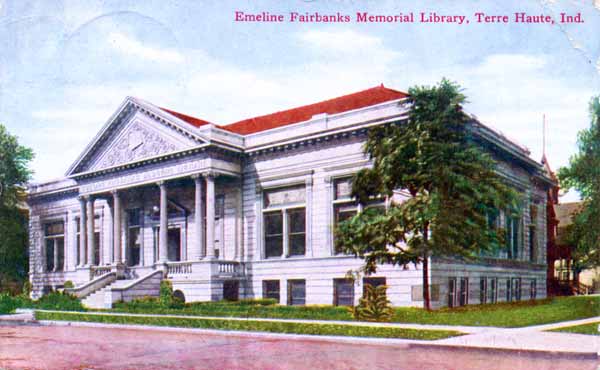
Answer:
(174, 268)
(96, 271)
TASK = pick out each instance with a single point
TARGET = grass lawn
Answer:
(590, 329)
(507, 315)
(517, 314)
(249, 325)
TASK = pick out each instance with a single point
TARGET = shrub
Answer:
(59, 301)
(7, 303)
(257, 302)
(139, 304)
(69, 284)
(166, 297)
(374, 305)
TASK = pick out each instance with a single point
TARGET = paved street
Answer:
(51, 347)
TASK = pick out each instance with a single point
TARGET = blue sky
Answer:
(65, 66)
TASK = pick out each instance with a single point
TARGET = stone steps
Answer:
(103, 298)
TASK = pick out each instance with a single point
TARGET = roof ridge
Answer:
(196, 122)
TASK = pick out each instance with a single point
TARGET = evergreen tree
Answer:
(453, 186)
(374, 305)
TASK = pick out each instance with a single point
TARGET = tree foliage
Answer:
(14, 169)
(452, 182)
(583, 174)
(14, 174)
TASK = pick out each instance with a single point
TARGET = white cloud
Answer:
(498, 64)
(342, 43)
(128, 45)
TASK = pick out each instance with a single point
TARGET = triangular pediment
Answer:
(137, 131)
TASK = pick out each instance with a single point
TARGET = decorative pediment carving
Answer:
(137, 131)
(137, 143)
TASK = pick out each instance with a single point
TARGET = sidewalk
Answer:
(533, 338)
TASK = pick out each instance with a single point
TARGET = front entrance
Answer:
(231, 290)
(174, 245)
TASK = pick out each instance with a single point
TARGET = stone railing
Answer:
(229, 267)
(96, 271)
(93, 285)
(175, 268)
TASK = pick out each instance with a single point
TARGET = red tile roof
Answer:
(196, 122)
(361, 99)
(344, 103)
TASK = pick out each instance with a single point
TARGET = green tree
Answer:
(583, 174)
(452, 182)
(14, 174)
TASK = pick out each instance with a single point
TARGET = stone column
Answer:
(197, 250)
(71, 257)
(210, 215)
(163, 232)
(116, 227)
(108, 257)
(82, 231)
(90, 231)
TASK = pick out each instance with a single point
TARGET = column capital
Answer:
(209, 174)
(196, 176)
(114, 192)
(161, 183)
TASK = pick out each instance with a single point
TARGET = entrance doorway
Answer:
(174, 245)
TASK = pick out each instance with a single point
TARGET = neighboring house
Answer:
(248, 210)
(571, 281)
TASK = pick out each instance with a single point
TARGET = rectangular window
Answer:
(49, 254)
(373, 281)
(343, 292)
(493, 290)
(273, 222)
(296, 292)
(464, 291)
(452, 292)
(297, 231)
(516, 287)
(532, 244)
(345, 207)
(508, 291)
(341, 213)
(284, 218)
(271, 289)
(483, 290)
(513, 236)
(134, 236)
(533, 289)
(54, 236)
